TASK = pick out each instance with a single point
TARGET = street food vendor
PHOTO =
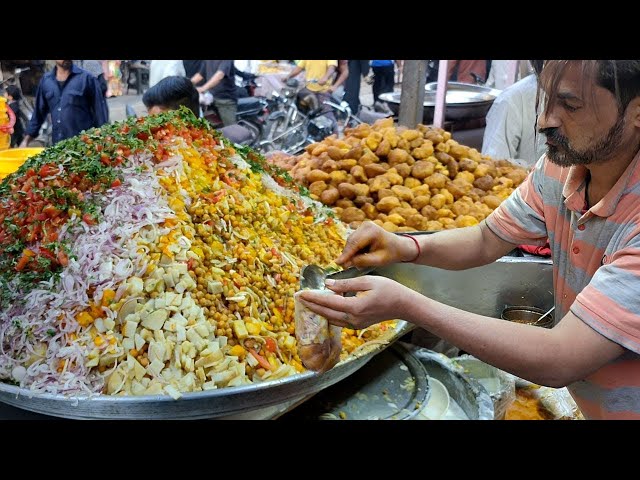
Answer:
(584, 196)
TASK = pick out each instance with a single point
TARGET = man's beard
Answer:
(563, 155)
(66, 64)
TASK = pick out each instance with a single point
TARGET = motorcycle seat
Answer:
(236, 133)
(249, 104)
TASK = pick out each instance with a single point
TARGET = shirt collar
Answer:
(74, 70)
(573, 190)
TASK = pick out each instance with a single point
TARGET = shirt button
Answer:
(59, 109)
(576, 250)
(581, 227)
(564, 296)
(58, 121)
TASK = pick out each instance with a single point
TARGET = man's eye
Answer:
(570, 108)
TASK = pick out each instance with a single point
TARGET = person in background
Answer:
(114, 78)
(318, 74)
(383, 77)
(583, 194)
(170, 93)
(342, 74)
(358, 69)
(191, 67)
(159, 69)
(97, 68)
(499, 73)
(73, 98)
(510, 132)
(13, 97)
(219, 76)
(464, 70)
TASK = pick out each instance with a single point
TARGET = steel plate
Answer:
(463, 101)
(198, 405)
(394, 386)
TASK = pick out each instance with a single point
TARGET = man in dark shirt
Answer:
(73, 98)
(219, 75)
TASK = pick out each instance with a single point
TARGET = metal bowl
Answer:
(528, 315)
(464, 101)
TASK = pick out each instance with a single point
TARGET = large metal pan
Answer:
(225, 402)
(484, 290)
(464, 101)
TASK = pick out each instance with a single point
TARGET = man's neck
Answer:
(62, 74)
(605, 175)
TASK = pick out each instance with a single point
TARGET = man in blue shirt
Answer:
(73, 98)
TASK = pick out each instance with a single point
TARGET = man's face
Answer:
(64, 64)
(156, 109)
(583, 125)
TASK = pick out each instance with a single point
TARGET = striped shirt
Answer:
(596, 272)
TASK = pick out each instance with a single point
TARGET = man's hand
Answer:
(372, 304)
(372, 246)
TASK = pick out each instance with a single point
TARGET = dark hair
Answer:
(620, 77)
(172, 92)
(537, 66)
(14, 92)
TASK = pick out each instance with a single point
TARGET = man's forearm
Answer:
(459, 249)
(213, 81)
(535, 354)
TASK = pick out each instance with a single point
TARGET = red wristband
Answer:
(417, 245)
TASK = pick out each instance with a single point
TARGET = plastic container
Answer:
(12, 159)
(528, 315)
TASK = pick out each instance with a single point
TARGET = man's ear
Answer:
(634, 110)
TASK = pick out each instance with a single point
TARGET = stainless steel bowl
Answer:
(528, 315)
(464, 101)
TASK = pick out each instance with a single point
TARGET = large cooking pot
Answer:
(464, 101)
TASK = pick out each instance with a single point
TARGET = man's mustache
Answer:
(554, 135)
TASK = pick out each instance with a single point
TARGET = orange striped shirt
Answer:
(596, 269)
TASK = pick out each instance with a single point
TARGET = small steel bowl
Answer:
(528, 315)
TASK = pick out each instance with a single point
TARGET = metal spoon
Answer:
(313, 276)
(547, 313)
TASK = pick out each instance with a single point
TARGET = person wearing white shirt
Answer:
(511, 123)
(160, 69)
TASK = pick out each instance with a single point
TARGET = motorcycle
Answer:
(251, 115)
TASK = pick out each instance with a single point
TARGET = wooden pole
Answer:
(414, 76)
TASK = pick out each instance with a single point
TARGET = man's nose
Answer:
(548, 119)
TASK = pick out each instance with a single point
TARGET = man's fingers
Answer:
(334, 302)
(357, 241)
(358, 284)
(373, 259)
(334, 317)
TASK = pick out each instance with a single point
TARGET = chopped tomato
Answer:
(63, 259)
(51, 211)
(144, 136)
(88, 219)
(47, 170)
(116, 183)
(270, 344)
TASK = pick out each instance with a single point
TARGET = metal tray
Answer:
(463, 101)
(483, 290)
(394, 386)
(224, 402)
